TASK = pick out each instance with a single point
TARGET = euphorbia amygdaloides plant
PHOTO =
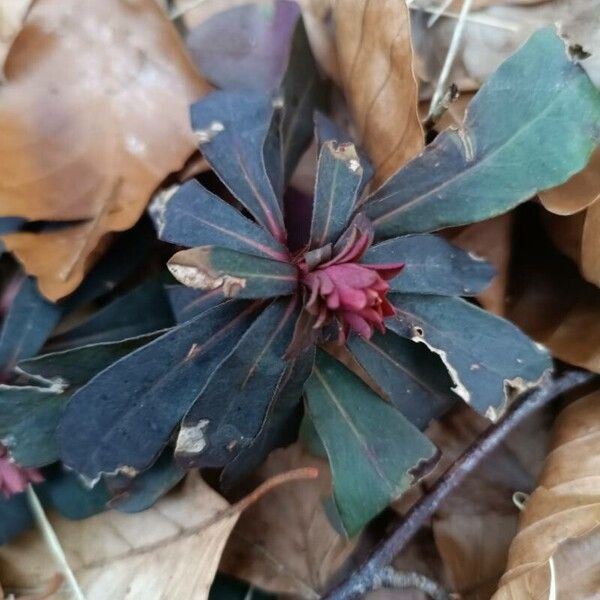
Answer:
(260, 318)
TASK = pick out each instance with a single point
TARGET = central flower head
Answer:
(342, 289)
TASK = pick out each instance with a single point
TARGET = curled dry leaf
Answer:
(579, 201)
(556, 553)
(375, 60)
(170, 551)
(578, 237)
(285, 543)
(94, 116)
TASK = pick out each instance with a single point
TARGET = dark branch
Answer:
(366, 577)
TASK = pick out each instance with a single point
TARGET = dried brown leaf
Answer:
(285, 543)
(375, 60)
(94, 116)
(170, 551)
(590, 245)
(558, 544)
(551, 302)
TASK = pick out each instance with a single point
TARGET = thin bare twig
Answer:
(362, 579)
(440, 88)
(477, 18)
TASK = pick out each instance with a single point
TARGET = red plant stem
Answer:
(362, 580)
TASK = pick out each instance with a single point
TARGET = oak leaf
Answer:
(376, 69)
(94, 116)
(171, 550)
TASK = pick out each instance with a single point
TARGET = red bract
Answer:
(13, 478)
(352, 293)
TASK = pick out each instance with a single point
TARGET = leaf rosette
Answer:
(259, 307)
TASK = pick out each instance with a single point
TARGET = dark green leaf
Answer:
(432, 266)
(327, 130)
(122, 419)
(28, 419)
(27, 325)
(236, 274)
(374, 452)
(532, 126)
(193, 216)
(339, 174)
(488, 358)
(32, 318)
(64, 491)
(15, 517)
(140, 311)
(77, 366)
(280, 425)
(141, 492)
(412, 377)
(231, 128)
(228, 414)
(30, 415)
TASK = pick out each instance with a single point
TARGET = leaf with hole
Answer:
(489, 359)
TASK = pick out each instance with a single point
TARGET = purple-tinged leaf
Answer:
(375, 453)
(281, 422)
(235, 274)
(245, 47)
(231, 128)
(229, 412)
(339, 174)
(489, 360)
(432, 266)
(413, 378)
(193, 217)
(123, 418)
(187, 303)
